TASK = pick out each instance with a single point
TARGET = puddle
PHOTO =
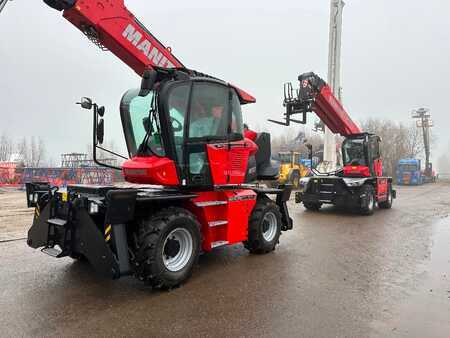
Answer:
(425, 312)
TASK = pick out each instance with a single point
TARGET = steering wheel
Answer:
(176, 125)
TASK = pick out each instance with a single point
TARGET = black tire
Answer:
(264, 227)
(388, 203)
(312, 206)
(155, 247)
(368, 207)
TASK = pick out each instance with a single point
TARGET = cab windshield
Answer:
(284, 157)
(353, 152)
(141, 123)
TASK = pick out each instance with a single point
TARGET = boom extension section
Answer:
(111, 26)
(314, 95)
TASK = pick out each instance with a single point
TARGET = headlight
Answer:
(33, 198)
(93, 208)
(303, 183)
(354, 182)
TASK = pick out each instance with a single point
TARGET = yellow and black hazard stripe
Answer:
(37, 212)
(108, 229)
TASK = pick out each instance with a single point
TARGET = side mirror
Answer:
(86, 103)
(101, 111)
(148, 80)
(100, 131)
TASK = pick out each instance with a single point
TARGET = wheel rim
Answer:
(177, 249)
(270, 226)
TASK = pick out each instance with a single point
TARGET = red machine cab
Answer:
(193, 137)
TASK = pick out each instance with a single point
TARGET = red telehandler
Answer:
(184, 133)
(360, 184)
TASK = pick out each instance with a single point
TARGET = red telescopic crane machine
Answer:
(360, 184)
(184, 133)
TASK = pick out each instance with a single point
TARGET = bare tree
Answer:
(22, 151)
(398, 141)
(36, 152)
(6, 148)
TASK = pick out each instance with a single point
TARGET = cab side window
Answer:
(375, 148)
(237, 125)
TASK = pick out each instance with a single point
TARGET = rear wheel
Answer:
(312, 206)
(168, 248)
(368, 203)
(388, 203)
(264, 227)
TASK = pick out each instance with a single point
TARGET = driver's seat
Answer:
(261, 166)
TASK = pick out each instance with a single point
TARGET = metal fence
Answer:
(17, 177)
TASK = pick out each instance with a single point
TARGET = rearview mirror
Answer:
(148, 80)
(100, 131)
(101, 111)
(86, 103)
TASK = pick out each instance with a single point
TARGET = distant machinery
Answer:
(424, 122)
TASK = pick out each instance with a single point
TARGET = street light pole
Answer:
(334, 74)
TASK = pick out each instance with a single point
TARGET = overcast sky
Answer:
(395, 57)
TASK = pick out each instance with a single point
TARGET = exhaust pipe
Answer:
(60, 5)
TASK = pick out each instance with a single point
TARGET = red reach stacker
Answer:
(360, 184)
(188, 153)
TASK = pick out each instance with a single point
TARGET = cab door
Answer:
(215, 151)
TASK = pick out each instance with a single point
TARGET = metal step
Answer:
(54, 252)
(218, 243)
(57, 221)
(217, 223)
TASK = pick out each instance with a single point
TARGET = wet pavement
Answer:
(335, 275)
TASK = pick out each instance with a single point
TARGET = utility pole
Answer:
(423, 121)
(334, 74)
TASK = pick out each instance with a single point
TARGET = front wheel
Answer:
(264, 227)
(168, 248)
(368, 203)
